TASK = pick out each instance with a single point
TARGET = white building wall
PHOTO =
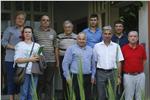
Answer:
(143, 38)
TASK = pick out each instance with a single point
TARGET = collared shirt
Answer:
(49, 40)
(133, 58)
(121, 41)
(64, 41)
(93, 38)
(11, 36)
(45, 29)
(107, 56)
(76, 58)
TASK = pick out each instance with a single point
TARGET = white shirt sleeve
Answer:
(19, 53)
(120, 55)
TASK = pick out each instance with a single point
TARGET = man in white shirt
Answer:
(108, 57)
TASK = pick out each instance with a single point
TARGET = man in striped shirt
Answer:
(65, 39)
(47, 36)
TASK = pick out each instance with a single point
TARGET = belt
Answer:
(82, 74)
(135, 73)
(105, 70)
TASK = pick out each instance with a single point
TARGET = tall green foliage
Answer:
(33, 87)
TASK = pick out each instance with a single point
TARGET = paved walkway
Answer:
(58, 94)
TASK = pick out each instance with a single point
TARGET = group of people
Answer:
(101, 56)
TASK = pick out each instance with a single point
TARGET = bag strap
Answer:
(30, 54)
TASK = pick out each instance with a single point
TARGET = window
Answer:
(36, 6)
(44, 6)
(19, 5)
(5, 16)
(27, 6)
(6, 5)
(40, 6)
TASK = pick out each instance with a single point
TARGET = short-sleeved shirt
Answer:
(22, 50)
(107, 56)
(133, 58)
(121, 41)
(64, 41)
(49, 40)
(93, 38)
(11, 36)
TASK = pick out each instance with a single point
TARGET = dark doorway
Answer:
(80, 24)
(129, 14)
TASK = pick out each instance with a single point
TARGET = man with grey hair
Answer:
(133, 68)
(79, 60)
(11, 37)
(107, 55)
(65, 39)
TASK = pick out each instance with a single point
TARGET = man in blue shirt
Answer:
(93, 33)
(119, 36)
(79, 60)
(11, 37)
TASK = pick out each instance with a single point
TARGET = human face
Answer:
(93, 22)
(119, 28)
(45, 21)
(20, 20)
(81, 40)
(133, 38)
(68, 28)
(107, 36)
(27, 34)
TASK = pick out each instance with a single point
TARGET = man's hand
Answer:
(34, 58)
(69, 81)
(57, 69)
(57, 65)
(93, 81)
(119, 81)
(9, 46)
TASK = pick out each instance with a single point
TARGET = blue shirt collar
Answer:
(16, 27)
(97, 29)
(84, 48)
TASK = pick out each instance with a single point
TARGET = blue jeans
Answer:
(26, 90)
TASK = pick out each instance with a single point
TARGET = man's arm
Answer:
(56, 49)
(6, 38)
(57, 56)
(94, 63)
(119, 72)
(66, 63)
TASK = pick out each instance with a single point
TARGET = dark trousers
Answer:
(102, 79)
(12, 87)
(64, 83)
(120, 90)
(46, 83)
(3, 77)
(86, 86)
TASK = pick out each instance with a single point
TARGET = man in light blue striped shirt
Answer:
(79, 57)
